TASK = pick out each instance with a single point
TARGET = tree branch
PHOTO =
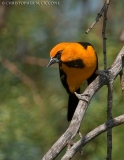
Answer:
(91, 135)
(103, 32)
(99, 15)
(109, 117)
(110, 84)
(74, 126)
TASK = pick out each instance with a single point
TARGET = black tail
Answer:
(72, 104)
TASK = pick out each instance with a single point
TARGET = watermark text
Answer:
(16, 3)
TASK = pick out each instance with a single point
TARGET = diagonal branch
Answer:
(72, 130)
(92, 134)
(99, 15)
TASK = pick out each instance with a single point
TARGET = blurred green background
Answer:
(32, 100)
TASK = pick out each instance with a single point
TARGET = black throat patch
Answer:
(78, 63)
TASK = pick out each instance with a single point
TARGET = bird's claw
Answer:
(70, 144)
(80, 96)
(102, 73)
(80, 135)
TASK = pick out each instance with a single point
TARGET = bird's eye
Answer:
(58, 55)
(59, 52)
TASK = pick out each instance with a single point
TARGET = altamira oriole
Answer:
(77, 63)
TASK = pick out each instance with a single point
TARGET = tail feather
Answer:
(72, 104)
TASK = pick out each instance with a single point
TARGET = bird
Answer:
(78, 62)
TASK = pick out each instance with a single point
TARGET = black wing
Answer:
(73, 100)
(94, 75)
(63, 78)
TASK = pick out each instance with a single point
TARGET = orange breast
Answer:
(76, 76)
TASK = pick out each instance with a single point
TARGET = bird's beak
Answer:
(52, 61)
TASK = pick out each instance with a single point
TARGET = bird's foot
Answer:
(70, 144)
(82, 96)
(80, 135)
(102, 73)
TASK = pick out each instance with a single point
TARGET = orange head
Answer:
(65, 52)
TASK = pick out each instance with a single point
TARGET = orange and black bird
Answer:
(77, 63)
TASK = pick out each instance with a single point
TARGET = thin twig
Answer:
(109, 117)
(99, 15)
(110, 84)
(103, 32)
(104, 39)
